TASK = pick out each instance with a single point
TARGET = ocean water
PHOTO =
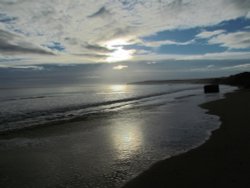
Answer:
(27, 107)
(98, 135)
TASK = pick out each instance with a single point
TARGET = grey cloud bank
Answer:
(13, 44)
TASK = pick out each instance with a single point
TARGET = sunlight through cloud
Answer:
(119, 53)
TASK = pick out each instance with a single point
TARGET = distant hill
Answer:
(241, 80)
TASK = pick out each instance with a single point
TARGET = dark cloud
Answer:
(242, 4)
(92, 55)
(71, 40)
(102, 12)
(8, 2)
(116, 32)
(13, 44)
(6, 19)
(121, 32)
(128, 4)
(178, 5)
(98, 48)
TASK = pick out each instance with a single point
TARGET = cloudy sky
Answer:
(125, 32)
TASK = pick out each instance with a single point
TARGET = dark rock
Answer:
(214, 88)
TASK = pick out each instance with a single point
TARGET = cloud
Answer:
(156, 44)
(209, 34)
(151, 63)
(6, 19)
(219, 56)
(93, 55)
(98, 48)
(120, 67)
(80, 27)
(37, 68)
(242, 4)
(236, 40)
(130, 18)
(55, 46)
(241, 67)
(13, 44)
(208, 56)
(102, 12)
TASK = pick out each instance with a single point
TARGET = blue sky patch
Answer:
(56, 46)
(4, 18)
(175, 35)
(231, 25)
(190, 49)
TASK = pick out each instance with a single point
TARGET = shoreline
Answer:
(222, 161)
(40, 150)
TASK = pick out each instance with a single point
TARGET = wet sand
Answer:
(223, 161)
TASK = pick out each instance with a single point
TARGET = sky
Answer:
(130, 39)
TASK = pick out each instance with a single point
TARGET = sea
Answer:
(97, 135)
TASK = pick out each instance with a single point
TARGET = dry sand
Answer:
(223, 161)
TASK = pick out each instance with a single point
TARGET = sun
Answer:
(118, 52)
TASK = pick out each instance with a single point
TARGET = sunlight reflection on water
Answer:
(126, 140)
(118, 88)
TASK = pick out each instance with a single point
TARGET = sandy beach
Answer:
(223, 161)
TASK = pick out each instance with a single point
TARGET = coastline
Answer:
(223, 161)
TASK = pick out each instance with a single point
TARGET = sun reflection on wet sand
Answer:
(126, 139)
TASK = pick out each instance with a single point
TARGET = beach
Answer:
(223, 161)
(112, 94)
(104, 144)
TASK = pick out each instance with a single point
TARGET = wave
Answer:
(26, 98)
(11, 122)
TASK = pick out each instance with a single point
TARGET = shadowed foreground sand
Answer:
(223, 161)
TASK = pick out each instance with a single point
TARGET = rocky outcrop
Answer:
(213, 88)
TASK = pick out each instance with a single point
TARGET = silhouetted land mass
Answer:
(241, 80)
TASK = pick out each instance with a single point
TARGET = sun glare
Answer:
(118, 52)
(118, 88)
(126, 138)
(120, 67)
